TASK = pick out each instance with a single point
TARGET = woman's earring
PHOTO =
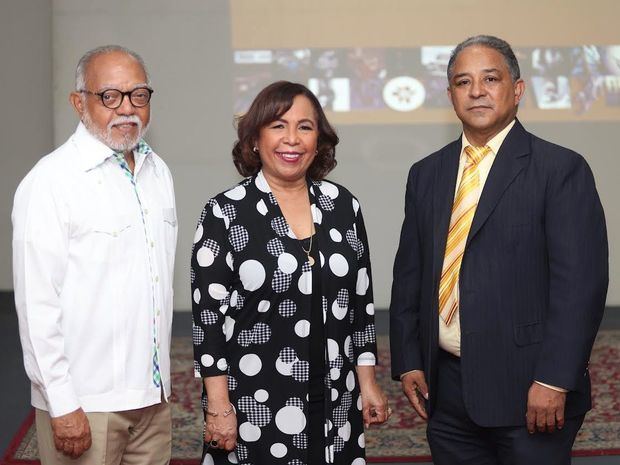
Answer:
(255, 149)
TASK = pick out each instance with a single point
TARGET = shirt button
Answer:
(146, 211)
(115, 234)
(156, 279)
(152, 244)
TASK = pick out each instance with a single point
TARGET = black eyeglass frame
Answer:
(123, 95)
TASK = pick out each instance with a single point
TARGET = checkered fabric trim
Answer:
(260, 415)
(288, 355)
(275, 247)
(240, 302)
(261, 333)
(349, 353)
(230, 211)
(280, 281)
(341, 413)
(343, 298)
(368, 336)
(246, 404)
(213, 246)
(352, 239)
(326, 203)
(300, 371)
(232, 383)
(300, 441)
(287, 308)
(143, 148)
(295, 402)
(242, 452)
(208, 317)
(279, 225)
(336, 363)
(360, 249)
(198, 335)
(238, 237)
(338, 443)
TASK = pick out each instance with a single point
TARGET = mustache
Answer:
(124, 120)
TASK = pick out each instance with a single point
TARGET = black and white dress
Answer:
(252, 299)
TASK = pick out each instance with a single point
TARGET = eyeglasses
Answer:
(113, 98)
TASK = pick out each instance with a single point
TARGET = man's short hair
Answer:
(82, 66)
(493, 42)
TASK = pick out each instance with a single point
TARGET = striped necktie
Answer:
(463, 210)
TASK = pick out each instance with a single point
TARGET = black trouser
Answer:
(455, 439)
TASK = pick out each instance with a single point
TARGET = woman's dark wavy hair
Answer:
(268, 106)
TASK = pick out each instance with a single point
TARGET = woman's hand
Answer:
(221, 428)
(375, 409)
(220, 417)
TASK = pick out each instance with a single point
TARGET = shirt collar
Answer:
(93, 152)
(496, 141)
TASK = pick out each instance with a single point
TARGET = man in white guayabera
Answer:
(94, 237)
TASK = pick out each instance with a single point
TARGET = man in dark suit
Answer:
(500, 278)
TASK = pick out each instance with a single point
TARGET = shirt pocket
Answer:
(109, 238)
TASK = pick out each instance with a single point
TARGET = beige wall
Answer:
(26, 104)
(187, 47)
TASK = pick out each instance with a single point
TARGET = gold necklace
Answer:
(310, 259)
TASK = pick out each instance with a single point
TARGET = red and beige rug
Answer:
(401, 440)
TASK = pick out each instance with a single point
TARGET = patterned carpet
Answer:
(403, 439)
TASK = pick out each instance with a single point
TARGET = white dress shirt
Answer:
(93, 261)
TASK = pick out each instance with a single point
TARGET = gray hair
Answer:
(495, 43)
(82, 66)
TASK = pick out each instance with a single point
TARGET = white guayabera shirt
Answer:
(93, 260)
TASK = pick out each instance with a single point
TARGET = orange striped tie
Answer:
(463, 210)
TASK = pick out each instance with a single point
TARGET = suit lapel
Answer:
(510, 160)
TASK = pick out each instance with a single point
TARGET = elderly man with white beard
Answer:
(94, 237)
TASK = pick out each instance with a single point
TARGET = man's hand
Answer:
(416, 390)
(545, 409)
(72, 433)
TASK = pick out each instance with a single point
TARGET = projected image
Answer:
(372, 82)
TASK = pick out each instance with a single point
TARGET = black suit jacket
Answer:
(533, 279)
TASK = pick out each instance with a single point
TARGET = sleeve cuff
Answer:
(61, 400)
(407, 372)
(555, 388)
(366, 359)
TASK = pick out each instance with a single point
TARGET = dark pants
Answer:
(455, 439)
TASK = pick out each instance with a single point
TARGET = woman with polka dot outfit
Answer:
(284, 334)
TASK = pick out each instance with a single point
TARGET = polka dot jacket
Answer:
(251, 293)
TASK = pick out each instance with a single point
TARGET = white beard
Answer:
(126, 143)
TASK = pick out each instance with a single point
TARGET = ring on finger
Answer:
(213, 443)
